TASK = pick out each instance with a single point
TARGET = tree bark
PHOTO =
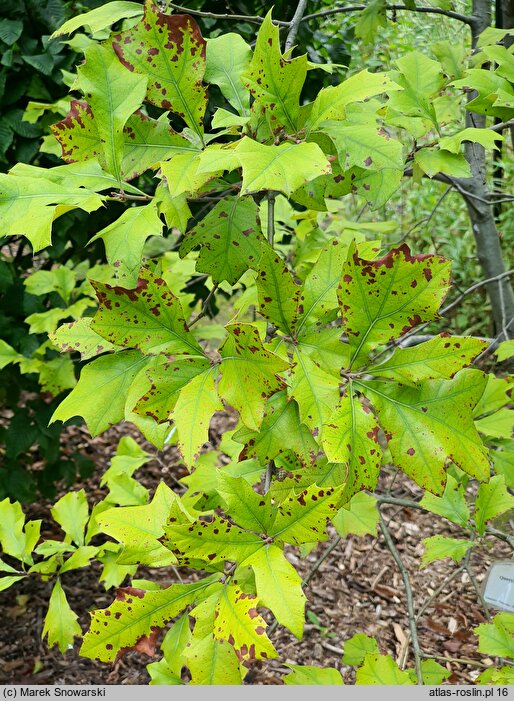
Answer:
(485, 231)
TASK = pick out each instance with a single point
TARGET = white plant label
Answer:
(499, 585)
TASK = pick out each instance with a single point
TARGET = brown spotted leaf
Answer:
(441, 356)
(385, 298)
(248, 373)
(78, 336)
(277, 291)
(239, 623)
(274, 81)
(160, 386)
(78, 135)
(430, 426)
(303, 516)
(113, 95)
(148, 317)
(281, 419)
(171, 51)
(149, 141)
(195, 406)
(350, 437)
(229, 238)
(214, 541)
(134, 616)
(316, 391)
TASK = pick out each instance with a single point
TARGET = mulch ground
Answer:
(357, 589)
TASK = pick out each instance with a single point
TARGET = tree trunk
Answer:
(486, 234)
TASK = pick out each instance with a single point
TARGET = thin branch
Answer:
(494, 344)
(437, 591)
(270, 468)
(271, 216)
(203, 311)
(321, 559)
(295, 24)
(408, 595)
(502, 125)
(457, 660)
(474, 287)
(466, 19)
(123, 197)
(476, 585)
(214, 15)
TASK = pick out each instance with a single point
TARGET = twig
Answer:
(502, 125)
(466, 19)
(425, 220)
(123, 196)
(494, 344)
(457, 660)
(214, 15)
(408, 595)
(476, 586)
(203, 311)
(295, 24)
(437, 591)
(321, 559)
(270, 468)
(271, 216)
(474, 287)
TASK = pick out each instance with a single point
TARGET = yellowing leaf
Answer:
(277, 291)
(384, 298)
(134, 614)
(275, 81)
(139, 528)
(441, 356)
(160, 387)
(248, 373)
(306, 674)
(316, 392)
(72, 513)
(29, 205)
(279, 587)
(350, 436)
(148, 317)
(60, 624)
(492, 500)
(431, 425)
(104, 383)
(303, 517)
(281, 419)
(78, 336)
(239, 623)
(228, 56)
(193, 411)
(331, 102)
(438, 547)
(212, 662)
(113, 94)
(100, 18)
(214, 541)
(125, 238)
(284, 168)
